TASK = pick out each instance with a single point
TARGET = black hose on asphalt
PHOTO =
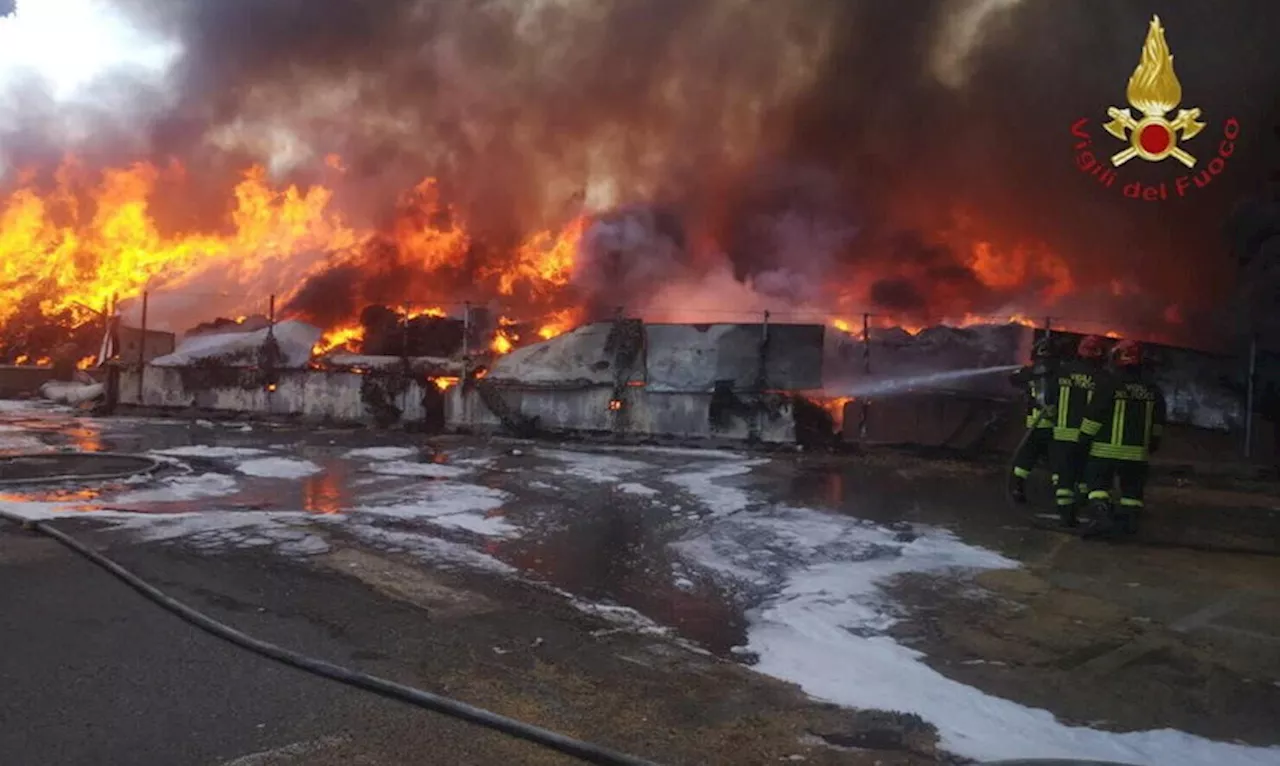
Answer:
(584, 751)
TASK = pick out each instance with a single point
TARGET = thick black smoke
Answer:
(853, 122)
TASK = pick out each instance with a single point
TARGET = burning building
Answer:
(541, 167)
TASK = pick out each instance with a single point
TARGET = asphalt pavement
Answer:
(94, 675)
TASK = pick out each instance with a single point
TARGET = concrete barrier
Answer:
(639, 413)
(344, 397)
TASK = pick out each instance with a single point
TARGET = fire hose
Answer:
(583, 751)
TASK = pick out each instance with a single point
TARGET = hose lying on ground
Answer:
(584, 751)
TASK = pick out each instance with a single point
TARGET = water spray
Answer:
(906, 384)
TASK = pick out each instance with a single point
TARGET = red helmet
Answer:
(1092, 347)
(1127, 353)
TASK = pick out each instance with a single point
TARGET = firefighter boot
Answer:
(1018, 489)
(1102, 521)
(1069, 515)
(1128, 521)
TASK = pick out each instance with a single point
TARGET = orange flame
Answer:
(343, 338)
(559, 323)
(66, 259)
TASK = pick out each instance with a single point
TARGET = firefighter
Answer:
(1120, 431)
(1035, 377)
(1076, 382)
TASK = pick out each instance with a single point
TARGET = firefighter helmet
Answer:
(1127, 353)
(1092, 347)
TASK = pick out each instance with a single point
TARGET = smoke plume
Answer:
(912, 158)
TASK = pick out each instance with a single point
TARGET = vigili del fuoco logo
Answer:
(1153, 93)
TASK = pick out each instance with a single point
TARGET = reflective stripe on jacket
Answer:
(1125, 420)
(1076, 384)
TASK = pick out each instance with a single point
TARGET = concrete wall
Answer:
(644, 413)
(313, 394)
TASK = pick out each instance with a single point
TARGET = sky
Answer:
(70, 43)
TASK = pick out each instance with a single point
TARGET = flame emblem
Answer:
(1154, 91)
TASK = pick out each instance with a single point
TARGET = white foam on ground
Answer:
(674, 451)
(182, 488)
(380, 453)
(703, 485)
(28, 406)
(429, 470)
(279, 468)
(19, 441)
(592, 467)
(820, 617)
(204, 450)
(433, 550)
(637, 489)
(448, 504)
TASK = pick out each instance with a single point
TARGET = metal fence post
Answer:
(865, 413)
(142, 346)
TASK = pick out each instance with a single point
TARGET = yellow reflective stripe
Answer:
(1149, 415)
(1021, 473)
(1131, 452)
(1054, 477)
(1129, 502)
(1099, 494)
(1117, 422)
(1065, 501)
(1064, 401)
(1082, 488)
(1065, 492)
(1067, 434)
(1090, 427)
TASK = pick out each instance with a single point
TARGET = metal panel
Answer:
(691, 358)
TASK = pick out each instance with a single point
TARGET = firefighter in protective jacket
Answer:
(1036, 378)
(1076, 382)
(1122, 428)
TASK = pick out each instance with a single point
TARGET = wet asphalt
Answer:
(93, 674)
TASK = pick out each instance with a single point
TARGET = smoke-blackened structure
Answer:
(911, 158)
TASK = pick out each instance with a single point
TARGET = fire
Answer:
(503, 342)
(87, 362)
(345, 338)
(544, 260)
(66, 256)
(965, 320)
(558, 323)
(414, 313)
(444, 384)
(83, 240)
